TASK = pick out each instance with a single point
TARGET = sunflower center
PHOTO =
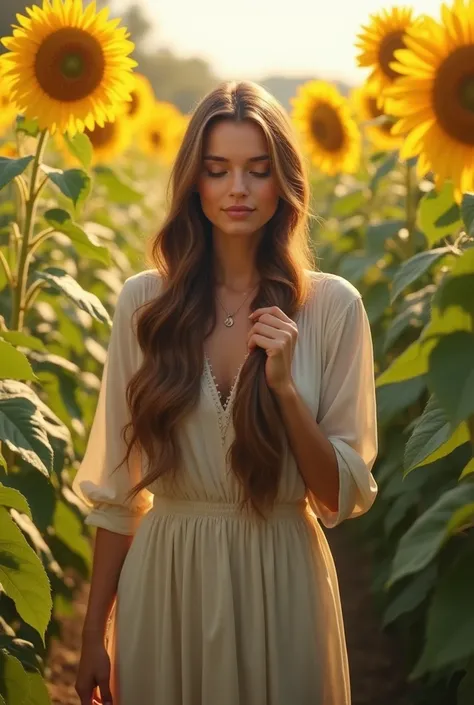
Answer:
(134, 103)
(155, 138)
(101, 136)
(388, 46)
(69, 64)
(327, 128)
(453, 94)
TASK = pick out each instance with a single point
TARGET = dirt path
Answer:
(376, 674)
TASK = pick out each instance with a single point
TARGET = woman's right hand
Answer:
(93, 671)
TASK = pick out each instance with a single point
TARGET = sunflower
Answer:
(110, 140)
(68, 66)
(435, 97)
(8, 111)
(143, 99)
(322, 116)
(162, 133)
(364, 100)
(377, 43)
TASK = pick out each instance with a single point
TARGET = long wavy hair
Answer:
(171, 328)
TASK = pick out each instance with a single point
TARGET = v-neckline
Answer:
(223, 409)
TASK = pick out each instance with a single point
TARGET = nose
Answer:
(239, 187)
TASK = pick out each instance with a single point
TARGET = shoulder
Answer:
(139, 288)
(331, 295)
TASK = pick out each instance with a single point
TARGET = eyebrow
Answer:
(215, 158)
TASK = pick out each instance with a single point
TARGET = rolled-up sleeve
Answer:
(347, 413)
(96, 483)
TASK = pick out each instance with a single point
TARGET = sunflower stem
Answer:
(19, 292)
(6, 267)
(410, 210)
(33, 292)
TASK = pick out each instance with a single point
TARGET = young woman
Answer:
(243, 382)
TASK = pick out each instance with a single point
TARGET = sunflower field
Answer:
(85, 149)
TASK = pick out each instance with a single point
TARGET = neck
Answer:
(234, 262)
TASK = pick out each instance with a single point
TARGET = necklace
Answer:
(229, 320)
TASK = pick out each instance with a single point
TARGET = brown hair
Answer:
(171, 329)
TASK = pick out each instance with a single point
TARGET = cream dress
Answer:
(213, 607)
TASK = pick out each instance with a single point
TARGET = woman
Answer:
(244, 385)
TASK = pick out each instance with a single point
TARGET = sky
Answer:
(251, 39)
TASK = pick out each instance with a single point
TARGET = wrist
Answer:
(286, 391)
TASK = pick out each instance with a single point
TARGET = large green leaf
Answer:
(433, 437)
(81, 147)
(415, 313)
(22, 426)
(73, 183)
(466, 687)
(412, 594)
(60, 280)
(9, 168)
(439, 215)
(394, 398)
(414, 268)
(377, 235)
(451, 374)
(14, 685)
(86, 245)
(37, 690)
(458, 288)
(118, 189)
(376, 301)
(355, 265)
(9, 497)
(450, 623)
(420, 544)
(68, 529)
(413, 362)
(467, 212)
(13, 363)
(23, 577)
(22, 340)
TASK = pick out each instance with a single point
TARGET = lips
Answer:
(238, 209)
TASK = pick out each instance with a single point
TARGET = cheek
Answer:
(268, 196)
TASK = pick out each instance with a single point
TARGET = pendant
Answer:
(229, 321)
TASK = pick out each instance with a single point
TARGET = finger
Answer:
(271, 332)
(262, 341)
(105, 694)
(274, 310)
(279, 323)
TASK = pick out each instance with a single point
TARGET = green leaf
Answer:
(438, 215)
(14, 364)
(22, 426)
(394, 398)
(377, 235)
(22, 340)
(413, 362)
(414, 268)
(23, 577)
(376, 300)
(118, 190)
(433, 437)
(69, 529)
(466, 687)
(61, 281)
(415, 313)
(38, 691)
(467, 212)
(355, 265)
(80, 146)
(14, 684)
(385, 168)
(450, 620)
(86, 245)
(73, 183)
(468, 470)
(451, 374)
(420, 544)
(9, 497)
(349, 203)
(458, 288)
(9, 168)
(412, 595)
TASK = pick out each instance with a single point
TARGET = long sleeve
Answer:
(347, 413)
(95, 482)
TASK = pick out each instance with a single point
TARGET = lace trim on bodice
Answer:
(223, 408)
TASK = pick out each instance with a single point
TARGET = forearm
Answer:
(314, 453)
(110, 550)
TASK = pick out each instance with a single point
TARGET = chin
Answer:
(239, 229)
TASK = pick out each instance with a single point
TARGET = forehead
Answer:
(235, 140)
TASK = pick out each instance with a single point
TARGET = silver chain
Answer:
(229, 320)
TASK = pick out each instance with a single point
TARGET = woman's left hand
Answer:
(277, 334)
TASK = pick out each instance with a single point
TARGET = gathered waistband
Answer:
(166, 506)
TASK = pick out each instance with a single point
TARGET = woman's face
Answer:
(238, 190)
